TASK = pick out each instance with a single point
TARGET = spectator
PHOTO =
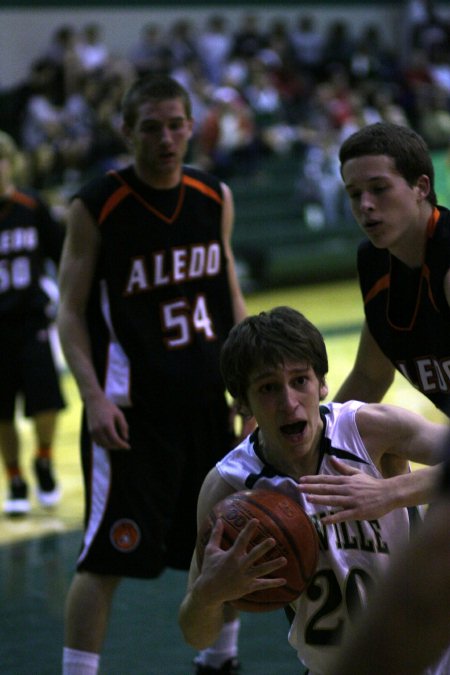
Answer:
(431, 31)
(371, 59)
(416, 83)
(43, 132)
(262, 94)
(57, 132)
(279, 42)
(108, 149)
(339, 46)
(227, 139)
(248, 38)
(440, 70)
(151, 54)
(383, 99)
(214, 46)
(62, 42)
(182, 43)
(13, 105)
(434, 118)
(320, 183)
(63, 53)
(308, 42)
(91, 50)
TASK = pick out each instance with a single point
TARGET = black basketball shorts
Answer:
(28, 370)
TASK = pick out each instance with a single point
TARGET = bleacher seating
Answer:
(274, 240)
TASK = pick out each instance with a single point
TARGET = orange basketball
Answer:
(279, 517)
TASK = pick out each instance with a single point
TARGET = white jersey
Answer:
(352, 554)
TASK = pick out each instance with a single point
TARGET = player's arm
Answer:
(199, 623)
(392, 435)
(358, 496)
(225, 575)
(237, 298)
(391, 430)
(372, 373)
(106, 422)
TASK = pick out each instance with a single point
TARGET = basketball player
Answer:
(148, 294)
(404, 275)
(407, 625)
(403, 266)
(275, 364)
(29, 238)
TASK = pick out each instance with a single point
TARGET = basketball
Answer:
(279, 517)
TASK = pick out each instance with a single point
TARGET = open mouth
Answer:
(293, 429)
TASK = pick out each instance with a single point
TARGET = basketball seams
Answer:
(274, 517)
(264, 505)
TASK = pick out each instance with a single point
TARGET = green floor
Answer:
(143, 638)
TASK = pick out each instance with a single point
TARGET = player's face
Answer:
(285, 401)
(159, 139)
(384, 205)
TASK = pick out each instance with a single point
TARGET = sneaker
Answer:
(230, 667)
(47, 490)
(17, 503)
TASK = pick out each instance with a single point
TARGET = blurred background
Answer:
(275, 92)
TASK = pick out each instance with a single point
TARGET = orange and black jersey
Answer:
(29, 235)
(160, 306)
(407, 312)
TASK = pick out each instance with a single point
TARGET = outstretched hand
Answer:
(355, 494)
(229, 575)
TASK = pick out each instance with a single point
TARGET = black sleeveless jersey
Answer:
(160, 306)
(407, 312)
(29, 235)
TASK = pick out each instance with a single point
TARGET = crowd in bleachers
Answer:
(256, 90)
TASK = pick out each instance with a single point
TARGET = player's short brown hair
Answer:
(152, 88)
(270, 338)
(408, 150)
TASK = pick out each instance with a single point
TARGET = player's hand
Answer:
(355, 494)
(228, 575)
(107, 424)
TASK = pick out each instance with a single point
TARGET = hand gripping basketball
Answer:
(281, 518)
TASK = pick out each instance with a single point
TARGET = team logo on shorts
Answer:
(125, 535)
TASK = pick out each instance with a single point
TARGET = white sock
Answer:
(76, 662)
(224, 648)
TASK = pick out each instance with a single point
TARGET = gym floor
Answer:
(38, 552)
